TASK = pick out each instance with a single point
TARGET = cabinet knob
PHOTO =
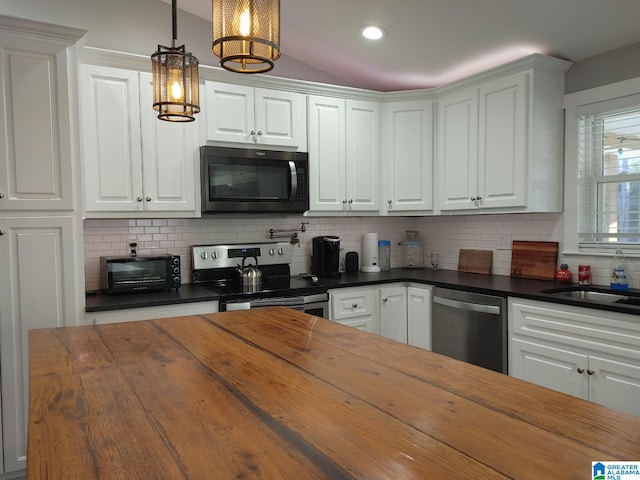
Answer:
(384, 300)
(259, 132)
(139, 199)
(344, 201)
(1, 195)
(2, 232)
(253, 132)
(148, 199)
(351, 200)
(478, 198)
(590, 372)
(580, 370)
(355, 305)
(389, 202)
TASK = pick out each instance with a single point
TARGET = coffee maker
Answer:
(325, 259)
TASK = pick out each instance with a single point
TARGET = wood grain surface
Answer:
(475, 261)
(278, 394)
(538, 260)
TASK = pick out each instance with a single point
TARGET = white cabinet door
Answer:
(35, 125)
(36, 291)
(502, 142)
(280, 119)
(408, 157)
(327, 147)
(393, 312)
(419, 317)
(362, 184)
(614, 384)
(229, 112)
(169, 157)
(458, 150)
(257, 116)
(344, 155)
(110, 129)
(556, 368)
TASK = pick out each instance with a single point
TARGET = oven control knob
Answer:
(204, 255)
(272, 252)
(214, 254)
(280, 251)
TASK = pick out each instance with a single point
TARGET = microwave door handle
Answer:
(294, 181)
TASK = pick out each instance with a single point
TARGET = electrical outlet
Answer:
(504, 241)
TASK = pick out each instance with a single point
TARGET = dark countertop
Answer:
(500, 285)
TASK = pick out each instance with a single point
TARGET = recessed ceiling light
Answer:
(372, 32)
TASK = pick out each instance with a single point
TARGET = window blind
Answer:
(609, 178)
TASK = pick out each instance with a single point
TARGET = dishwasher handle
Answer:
(474, 307)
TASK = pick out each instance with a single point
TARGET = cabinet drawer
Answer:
(613, 332)
(352, 303)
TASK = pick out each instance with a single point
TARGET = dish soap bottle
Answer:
(619, 280)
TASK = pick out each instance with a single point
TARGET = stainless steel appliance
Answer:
(325, 258)
(471, 327)
(135, 273)
(216, 267)
(244, 180)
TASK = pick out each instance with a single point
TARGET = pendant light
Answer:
(246, 34)
(176, 89)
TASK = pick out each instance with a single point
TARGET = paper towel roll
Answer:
(370, 253)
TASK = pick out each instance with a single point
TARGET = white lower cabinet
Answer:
(150, 313)
(355, 307)
(37, 290)
(394, 310)
(583, 352)
(419, 316)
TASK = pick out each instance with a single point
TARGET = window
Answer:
(609, 178)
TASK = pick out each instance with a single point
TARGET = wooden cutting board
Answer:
(475, 261)
(534, 259)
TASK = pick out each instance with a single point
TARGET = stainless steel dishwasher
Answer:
(471, 327)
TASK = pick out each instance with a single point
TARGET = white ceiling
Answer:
(433, 42)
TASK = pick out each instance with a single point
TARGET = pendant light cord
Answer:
(174, 23)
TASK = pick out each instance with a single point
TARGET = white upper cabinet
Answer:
(35, 126)
(132, 161)
(344, 155)
(408, 157)
(256, 116)
(499, 145)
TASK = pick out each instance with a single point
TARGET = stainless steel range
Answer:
(218, 267)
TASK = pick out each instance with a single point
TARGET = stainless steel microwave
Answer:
(245, 180)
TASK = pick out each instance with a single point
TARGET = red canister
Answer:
(584, 274)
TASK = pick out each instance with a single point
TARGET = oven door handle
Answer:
(474, 307)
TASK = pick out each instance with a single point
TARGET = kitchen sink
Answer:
(588, 295)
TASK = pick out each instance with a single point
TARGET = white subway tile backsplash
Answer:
(445, 235)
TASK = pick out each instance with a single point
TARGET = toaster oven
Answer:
(139, 273)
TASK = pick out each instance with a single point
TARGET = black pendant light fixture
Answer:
(176, 90)
(246, 34)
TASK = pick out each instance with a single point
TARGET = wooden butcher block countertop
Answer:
(278, 394)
